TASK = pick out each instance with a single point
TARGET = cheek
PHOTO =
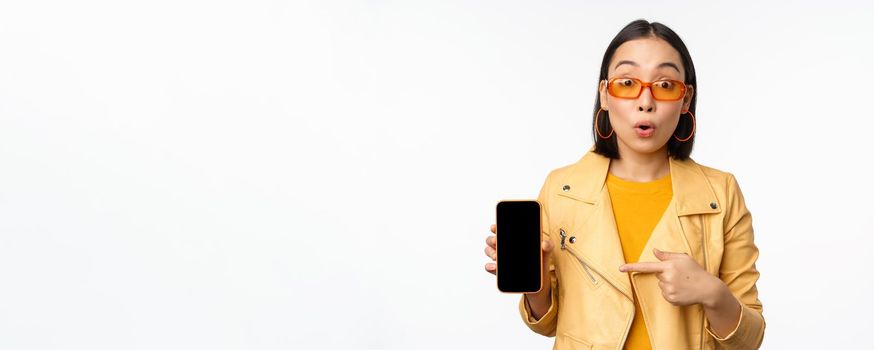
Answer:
(670, 116)
(669, 108)
(620, 110)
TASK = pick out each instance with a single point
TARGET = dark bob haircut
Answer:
(640, 29)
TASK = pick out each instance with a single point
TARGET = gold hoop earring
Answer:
(693, 128)
(596, 125)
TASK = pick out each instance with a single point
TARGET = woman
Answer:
(646, 249)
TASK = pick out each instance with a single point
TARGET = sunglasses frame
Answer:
(644, 84)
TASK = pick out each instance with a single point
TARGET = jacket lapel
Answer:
(597, 238)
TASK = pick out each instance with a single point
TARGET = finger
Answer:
(490, 252)
(645, 267)
(494, 228)
(491, 241)
(490, 268)
(663, 255)
(547, 247)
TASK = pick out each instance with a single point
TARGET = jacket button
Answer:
(566, 188)
(712, 205)
(573, 239)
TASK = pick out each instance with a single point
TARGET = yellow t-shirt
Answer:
(637, 207)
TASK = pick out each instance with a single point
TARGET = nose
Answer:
(646, 102)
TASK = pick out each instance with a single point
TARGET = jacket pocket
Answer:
(568, 342)
(573, 196)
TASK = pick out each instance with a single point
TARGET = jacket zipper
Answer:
(585, 267)
(631, 319)
(704, 243)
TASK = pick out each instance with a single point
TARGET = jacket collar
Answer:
(598, 243)
(692, 190)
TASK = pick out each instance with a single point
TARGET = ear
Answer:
(687, 100)
(602, 93)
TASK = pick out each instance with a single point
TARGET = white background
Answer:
(322, 175)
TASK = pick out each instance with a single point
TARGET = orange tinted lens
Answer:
(667, 90)
(624, 87)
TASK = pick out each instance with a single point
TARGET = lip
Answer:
(644, 122)
(644, 133)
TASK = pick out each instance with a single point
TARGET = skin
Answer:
(538, 302)
(682, 280)
(643, 159)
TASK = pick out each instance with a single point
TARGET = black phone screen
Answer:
(518, 246)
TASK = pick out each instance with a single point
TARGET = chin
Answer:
(649, 145)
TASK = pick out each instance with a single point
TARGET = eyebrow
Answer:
(663, 64)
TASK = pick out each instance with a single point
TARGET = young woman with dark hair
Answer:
(646, 248)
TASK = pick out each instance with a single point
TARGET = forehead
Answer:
(649, 56)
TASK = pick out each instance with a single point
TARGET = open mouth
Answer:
(644, 125)
(644, 128)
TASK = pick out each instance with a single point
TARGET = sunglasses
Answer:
(661, 90)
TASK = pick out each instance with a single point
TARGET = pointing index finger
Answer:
(645, 267)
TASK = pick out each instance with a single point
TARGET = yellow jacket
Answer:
(592, 305)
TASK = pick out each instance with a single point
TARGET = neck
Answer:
(640, 167)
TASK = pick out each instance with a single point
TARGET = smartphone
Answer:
(519, 260)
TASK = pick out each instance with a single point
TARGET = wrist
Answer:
(716, 295)
(543, 297)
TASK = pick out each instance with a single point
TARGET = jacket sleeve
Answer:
(546, 325)
(738, 271)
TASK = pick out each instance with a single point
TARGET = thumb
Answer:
(546, 247)
(663, 255)
(546, 251)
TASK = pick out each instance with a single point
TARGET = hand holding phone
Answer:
(519, 245)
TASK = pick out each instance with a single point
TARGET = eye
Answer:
(665, 84)
(626, 82)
